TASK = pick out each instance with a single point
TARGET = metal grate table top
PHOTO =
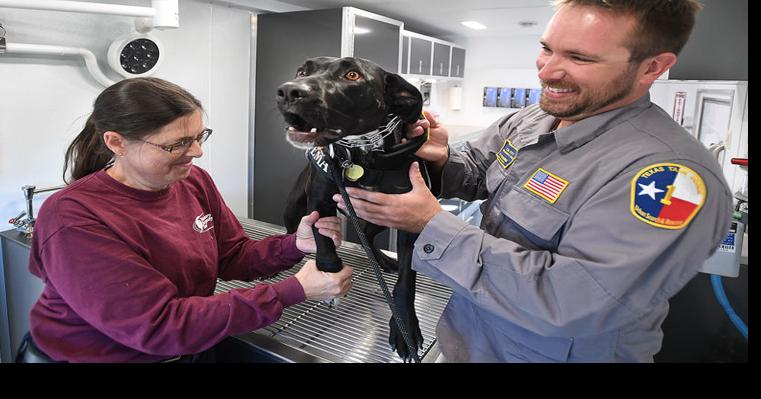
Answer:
(357, 330)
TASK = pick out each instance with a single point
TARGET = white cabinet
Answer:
(457, 65)
(372, 36)
(425, 57)
(441, 55)
(420, 56)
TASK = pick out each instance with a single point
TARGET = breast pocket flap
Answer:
(533, 214)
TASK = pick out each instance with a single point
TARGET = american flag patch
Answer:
(546, 185)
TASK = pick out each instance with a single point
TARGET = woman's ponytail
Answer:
(87, 153)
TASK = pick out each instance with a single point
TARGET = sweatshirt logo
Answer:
(202, 223)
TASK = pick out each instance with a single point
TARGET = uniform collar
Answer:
(533, 129)
(584, 131)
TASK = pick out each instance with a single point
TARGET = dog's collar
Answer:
(335, 159)
(371, 140)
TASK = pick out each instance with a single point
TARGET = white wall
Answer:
(499, 61)
(45, 101)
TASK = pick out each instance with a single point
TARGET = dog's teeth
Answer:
(314, 130)
(291, 128)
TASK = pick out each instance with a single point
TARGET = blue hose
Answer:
(718, 290)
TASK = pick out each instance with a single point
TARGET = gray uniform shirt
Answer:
(576, 265)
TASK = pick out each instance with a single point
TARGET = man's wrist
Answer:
(424, 222)
(439, 163)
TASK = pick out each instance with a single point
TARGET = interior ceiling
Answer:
(441, 18)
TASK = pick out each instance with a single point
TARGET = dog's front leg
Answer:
(320, 199)
(404, 299)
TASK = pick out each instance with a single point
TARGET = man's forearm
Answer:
(435, 168)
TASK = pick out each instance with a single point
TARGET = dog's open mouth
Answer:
(298, 136)
(314, 135)
(300, 132)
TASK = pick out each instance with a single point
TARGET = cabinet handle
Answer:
(458, 71)
(420, 66)
(441, 68)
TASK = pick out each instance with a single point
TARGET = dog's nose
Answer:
(291, 91)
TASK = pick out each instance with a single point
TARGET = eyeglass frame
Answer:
(200, 138)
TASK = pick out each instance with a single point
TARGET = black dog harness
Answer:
(335, 160)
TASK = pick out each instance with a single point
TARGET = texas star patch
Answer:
(667, 195)
(507, 154)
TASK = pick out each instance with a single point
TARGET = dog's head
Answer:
(335, 97)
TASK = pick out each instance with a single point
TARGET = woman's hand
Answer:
(319, 285)
(328, 226)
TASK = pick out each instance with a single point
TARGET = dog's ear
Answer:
(402, 98)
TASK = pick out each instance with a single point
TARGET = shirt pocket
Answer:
(539, 221)
(516, 344)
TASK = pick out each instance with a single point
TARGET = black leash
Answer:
(377, 270)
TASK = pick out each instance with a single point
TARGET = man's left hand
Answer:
(410, 211)
(328, 226)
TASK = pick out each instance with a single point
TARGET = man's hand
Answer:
(328, 226)
(410, 211)
(436, 149)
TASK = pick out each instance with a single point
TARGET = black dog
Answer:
(349, 114)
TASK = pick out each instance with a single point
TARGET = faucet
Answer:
(24, 222)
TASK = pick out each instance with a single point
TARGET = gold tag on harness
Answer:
(354, 172)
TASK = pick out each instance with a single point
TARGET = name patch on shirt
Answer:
(507, 154)
(667, 195)
(546, 185)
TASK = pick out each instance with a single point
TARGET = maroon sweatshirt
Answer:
(129, 274)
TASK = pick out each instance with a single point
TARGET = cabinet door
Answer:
(377, 41)
(283, 42)
(406, 54)
(440, 59)
(420, 56)
(458, 63)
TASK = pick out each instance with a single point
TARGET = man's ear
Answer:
(402, 98)
(656, 66)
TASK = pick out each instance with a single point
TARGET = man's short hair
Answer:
(662, 25)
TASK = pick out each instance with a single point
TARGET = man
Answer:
(599, 207)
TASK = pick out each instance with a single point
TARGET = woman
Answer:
(131, 250)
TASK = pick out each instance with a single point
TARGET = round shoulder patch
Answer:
(667, 195)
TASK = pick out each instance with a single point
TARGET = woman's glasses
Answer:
(183, 144)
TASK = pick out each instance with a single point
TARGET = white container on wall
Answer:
(455, 98)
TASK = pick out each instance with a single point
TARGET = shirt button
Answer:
(428, 248)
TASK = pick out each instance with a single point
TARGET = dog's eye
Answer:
(352, 75)
(300, 73)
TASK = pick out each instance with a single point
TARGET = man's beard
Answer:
(591, 100)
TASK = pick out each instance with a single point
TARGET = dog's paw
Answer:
(396, 339)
